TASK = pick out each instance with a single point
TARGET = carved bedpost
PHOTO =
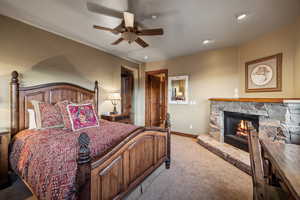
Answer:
(83, 181)
(96, 89)
(168, 127)
(14, 103)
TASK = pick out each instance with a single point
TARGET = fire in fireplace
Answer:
(236, 129)
(242, 129)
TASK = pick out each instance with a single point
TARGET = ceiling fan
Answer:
(129, 29)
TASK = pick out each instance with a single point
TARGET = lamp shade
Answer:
(114, 96)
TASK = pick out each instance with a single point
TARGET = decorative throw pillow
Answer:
(47, 115)
(64, 113)
(82, 116)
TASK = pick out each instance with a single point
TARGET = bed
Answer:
(93, 164)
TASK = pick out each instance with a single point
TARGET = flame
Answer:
(242, 129)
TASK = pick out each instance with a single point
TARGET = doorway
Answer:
(156, 97)
(127, 92)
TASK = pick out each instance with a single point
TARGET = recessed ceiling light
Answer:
(206, 42)
(241, 16)
(154, 17)
(146, 57)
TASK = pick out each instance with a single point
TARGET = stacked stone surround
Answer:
(279, 121)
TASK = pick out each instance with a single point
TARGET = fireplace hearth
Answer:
(235, 128)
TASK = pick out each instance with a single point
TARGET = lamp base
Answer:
(114, 111)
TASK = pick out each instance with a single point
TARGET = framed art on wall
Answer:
(265, 74)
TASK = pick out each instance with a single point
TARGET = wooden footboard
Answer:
(124, 167)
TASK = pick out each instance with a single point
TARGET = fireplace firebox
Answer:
(235, 128)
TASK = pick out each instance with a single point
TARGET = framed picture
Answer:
(178, 89)
(265, 74)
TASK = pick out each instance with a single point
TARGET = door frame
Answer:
(147, 105)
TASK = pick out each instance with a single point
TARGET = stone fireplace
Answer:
(278, 119)
(235, 128)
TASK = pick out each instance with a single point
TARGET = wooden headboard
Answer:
(50, 93)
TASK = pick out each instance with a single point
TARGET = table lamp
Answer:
(114, 97)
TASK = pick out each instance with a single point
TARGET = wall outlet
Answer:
(191, 126)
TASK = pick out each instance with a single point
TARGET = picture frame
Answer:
(264, 74)
(178, 89)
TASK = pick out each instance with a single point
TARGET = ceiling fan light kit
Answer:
(129, 29)
(129, 36)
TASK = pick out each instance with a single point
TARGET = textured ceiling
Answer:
(186, 22)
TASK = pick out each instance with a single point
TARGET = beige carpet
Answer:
(195, 174)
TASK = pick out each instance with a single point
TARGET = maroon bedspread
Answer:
(46, 159)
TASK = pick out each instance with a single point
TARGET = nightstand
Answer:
(4, 143)
(121, 118)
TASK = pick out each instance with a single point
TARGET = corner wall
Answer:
(42, 57)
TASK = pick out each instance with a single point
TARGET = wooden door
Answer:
(155, 100)
(127, 86)
(156, 97)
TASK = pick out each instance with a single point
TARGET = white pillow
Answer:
(32, 122)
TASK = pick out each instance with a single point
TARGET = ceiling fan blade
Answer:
(103, 28)
(158, 31)
(117, 41)
(129, 19)
(96, 8)
(141, 42)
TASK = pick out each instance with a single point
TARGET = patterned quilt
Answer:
(46, 159)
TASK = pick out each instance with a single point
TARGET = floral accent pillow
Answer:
(47, 115)
(64, 112)
(82, 116)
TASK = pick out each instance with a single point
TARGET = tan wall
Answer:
(42, 57)
(212, 73)
(279, 41)
(297, 61)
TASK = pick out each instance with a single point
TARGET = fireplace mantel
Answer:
(258, 100)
